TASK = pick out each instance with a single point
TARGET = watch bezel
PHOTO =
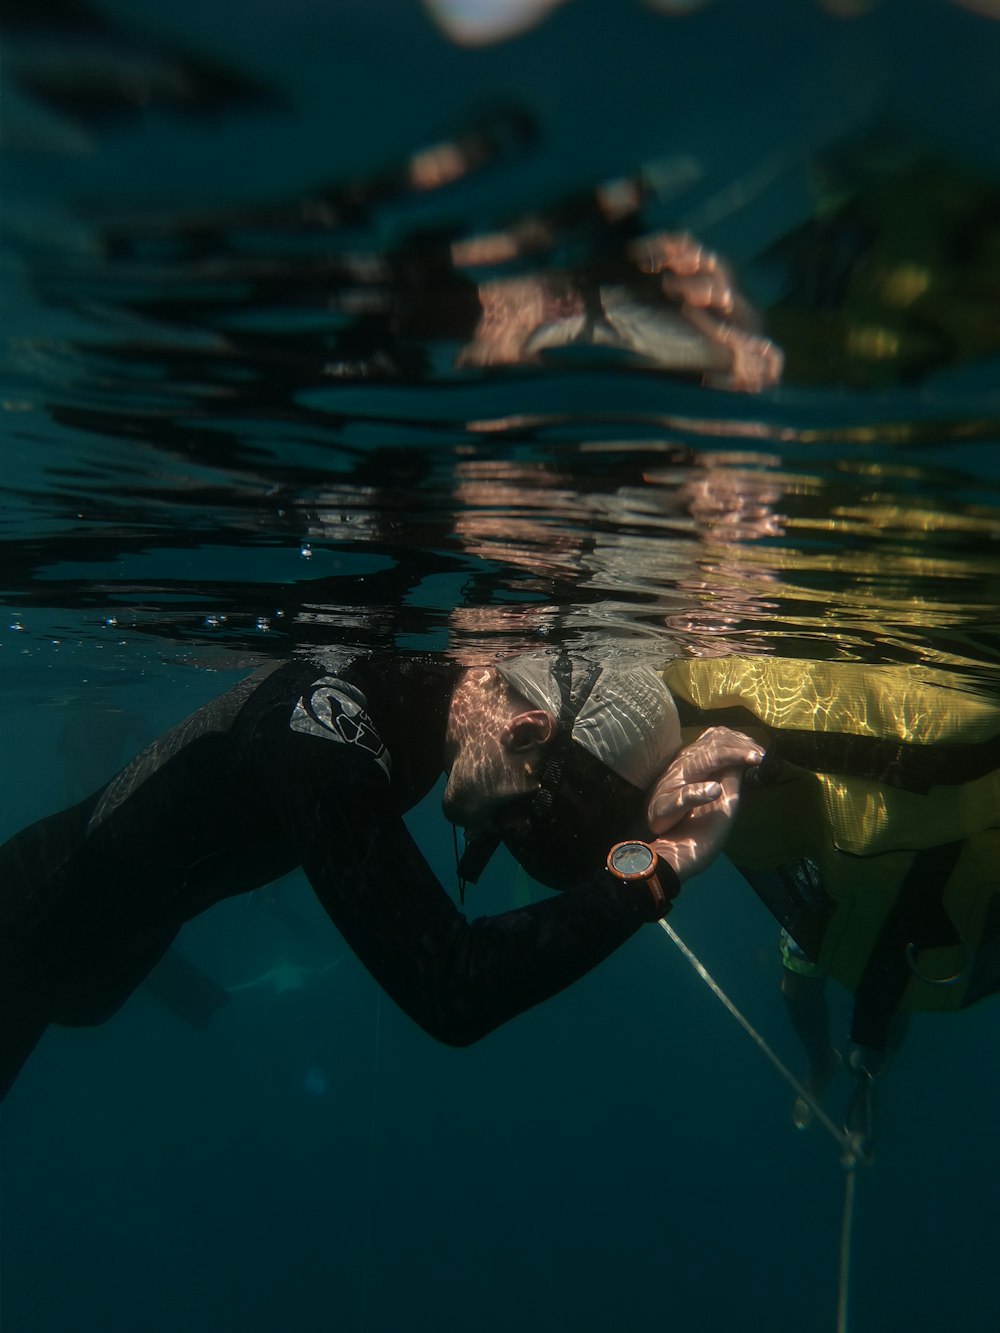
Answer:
(634, 876)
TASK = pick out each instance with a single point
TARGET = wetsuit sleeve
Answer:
(457, 978)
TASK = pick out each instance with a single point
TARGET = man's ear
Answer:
(524, 731)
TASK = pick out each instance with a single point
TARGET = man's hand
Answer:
(693, 804)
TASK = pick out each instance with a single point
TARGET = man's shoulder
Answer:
(333, 708)
(403, 677)
(392, 674)
(371, 706)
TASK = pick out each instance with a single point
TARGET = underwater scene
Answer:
(562, 410)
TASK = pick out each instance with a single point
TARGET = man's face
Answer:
(487, 786)
(493, 754)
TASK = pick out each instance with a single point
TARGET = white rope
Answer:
(842, 1140)
(846, 1227)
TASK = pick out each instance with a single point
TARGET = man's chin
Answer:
(456, 805)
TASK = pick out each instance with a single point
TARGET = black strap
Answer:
(570, 703)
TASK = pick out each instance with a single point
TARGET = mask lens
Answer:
(633, 859)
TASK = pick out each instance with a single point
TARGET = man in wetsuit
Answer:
(314, 763)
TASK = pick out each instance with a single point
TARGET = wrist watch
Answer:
(636, 862)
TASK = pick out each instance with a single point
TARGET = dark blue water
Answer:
(236, 425)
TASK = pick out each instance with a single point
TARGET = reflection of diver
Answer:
(896, 273)
(872, 833)
(580, 274)
(585, 270)
(666, 300)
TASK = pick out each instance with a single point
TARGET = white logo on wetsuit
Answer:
(337, 711)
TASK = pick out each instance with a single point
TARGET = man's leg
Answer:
(803, 985)
(868, 1060)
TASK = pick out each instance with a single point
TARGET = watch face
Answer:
(633, 859)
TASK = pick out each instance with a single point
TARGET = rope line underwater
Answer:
(843, 1140)
(846, 1230)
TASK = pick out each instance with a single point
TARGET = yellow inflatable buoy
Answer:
(873, 833)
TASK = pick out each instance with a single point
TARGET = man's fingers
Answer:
(719, 756)
(715, 750)
(668, 809)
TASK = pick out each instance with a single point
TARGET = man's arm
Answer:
(458, 979)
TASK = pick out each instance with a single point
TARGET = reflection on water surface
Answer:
(561, 422)
(640, 332)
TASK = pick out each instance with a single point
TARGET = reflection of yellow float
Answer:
(896, 274)
(874, 834)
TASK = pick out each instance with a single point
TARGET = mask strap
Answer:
(569, 710)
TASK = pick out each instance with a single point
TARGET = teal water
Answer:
(206, 466)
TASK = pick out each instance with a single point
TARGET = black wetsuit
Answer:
(305, 764)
